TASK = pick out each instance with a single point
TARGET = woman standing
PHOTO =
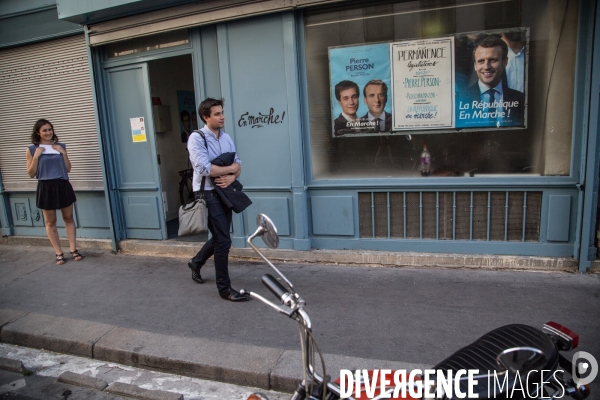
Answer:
(47, 161)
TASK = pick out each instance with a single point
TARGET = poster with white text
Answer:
(423, 84)
(360, 78)
(491, 79)
(472, 80)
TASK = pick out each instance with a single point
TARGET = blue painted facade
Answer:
(24, 23)
(258, 65)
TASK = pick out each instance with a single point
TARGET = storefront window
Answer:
(427, 64)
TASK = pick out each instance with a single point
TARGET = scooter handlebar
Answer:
(275, 287)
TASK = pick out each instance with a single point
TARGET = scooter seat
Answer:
(482, 354)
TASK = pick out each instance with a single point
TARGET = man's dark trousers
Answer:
(219, 222)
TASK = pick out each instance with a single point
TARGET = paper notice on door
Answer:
(48, 149)
(138, 129)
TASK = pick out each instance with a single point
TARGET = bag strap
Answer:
(189, 206)
(205, 145)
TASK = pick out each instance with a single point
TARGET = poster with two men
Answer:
(467, 81)
(360, 92)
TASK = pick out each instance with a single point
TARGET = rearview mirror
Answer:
(521, 360)
(268, 232)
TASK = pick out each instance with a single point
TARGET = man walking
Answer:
(219, 216)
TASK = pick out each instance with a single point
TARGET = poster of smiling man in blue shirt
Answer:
(489, 102)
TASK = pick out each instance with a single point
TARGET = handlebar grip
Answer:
(275, 287)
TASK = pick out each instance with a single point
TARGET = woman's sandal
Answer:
(76, 255)
(60, 259)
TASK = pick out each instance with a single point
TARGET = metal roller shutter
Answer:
(48, 80)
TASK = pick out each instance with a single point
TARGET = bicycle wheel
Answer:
(186, 194)
(189, 190)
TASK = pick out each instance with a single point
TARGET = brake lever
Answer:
(281, 308)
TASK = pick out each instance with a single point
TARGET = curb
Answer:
(125, 389)
(118, 388)
(261, 367)
(8, 364)
(61, 335)
(72, 378)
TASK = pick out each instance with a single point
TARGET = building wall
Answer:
(44, 73)
(524, 197)
(313, 186)
(325, 194)
(32, 21)
(258, 77)
(91, 216)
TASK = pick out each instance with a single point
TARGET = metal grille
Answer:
(480, 216)
(381, 208)
(396, 215)
(429, 214)
(463, 215)
(446, 216)
(48, 80)
(365, 215)
(413, 215)
(516, 222)
(532, 219)
(499, 209)
(483, 216)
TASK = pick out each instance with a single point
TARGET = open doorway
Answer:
(174, 112)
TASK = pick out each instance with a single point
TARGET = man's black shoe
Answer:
(234, 295)
(195, 273)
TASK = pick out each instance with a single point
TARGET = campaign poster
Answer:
(188, 118)
(491, 79)
(360, 82)
(423, 84)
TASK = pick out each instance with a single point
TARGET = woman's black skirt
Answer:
(54, 194)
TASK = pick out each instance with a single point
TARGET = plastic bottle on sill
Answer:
(425, 162)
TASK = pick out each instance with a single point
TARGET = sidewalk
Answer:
(145, 311)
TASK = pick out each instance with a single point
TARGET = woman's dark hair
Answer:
(35, 135)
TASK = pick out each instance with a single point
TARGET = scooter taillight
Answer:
(565, 338)
(257, 396)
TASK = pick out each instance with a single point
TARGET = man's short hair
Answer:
(377, 82)
(183, 114)
(344, 85)
(490, 42)
(206, 105)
